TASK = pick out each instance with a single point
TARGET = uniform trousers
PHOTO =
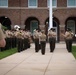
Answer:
(19, 44)
(9, 43)
(52, 44)
(25, 43)
(69, 44)
(36, 45)
(43, 45)
(13, 42)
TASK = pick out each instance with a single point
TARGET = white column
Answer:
(50, 15)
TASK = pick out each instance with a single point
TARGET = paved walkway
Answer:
(60, 62)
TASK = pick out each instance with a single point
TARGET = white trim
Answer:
(71, 7)
(58, 8)
(3, 6)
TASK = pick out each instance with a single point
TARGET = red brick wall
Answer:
(13, 3)
(61, 3)
(42, 3)
(40, 14)
(24, 3)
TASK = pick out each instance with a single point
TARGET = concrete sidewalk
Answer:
(60, 62)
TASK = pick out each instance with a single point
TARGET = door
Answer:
(33, 25)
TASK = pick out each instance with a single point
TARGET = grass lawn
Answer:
(6, 53)
(74, 51)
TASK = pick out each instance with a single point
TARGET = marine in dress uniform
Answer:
(25, 40)
(20, 38)
(40, 33)
(52, 39)
(68, 39)
(36, 40)
(43, 42)
(8, 39)
(29, 38)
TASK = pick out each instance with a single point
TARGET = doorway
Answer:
(33, 25)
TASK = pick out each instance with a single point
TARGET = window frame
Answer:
(33, 6)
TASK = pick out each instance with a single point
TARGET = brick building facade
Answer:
(19, 12)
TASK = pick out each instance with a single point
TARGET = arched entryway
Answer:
(5, 21)
(31, 23)
(71, 23)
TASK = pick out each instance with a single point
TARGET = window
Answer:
(71, 25)
(32, 3)
(54, 3)
(3, 3)
(71, 3)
